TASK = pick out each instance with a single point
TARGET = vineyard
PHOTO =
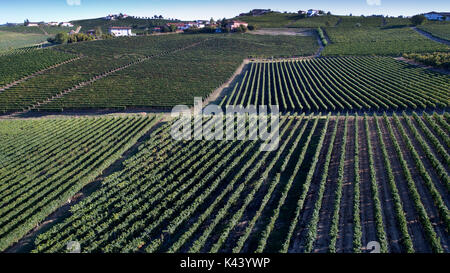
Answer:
(206, 60)
(174, 79)
(94, 63)
(17, 65)
(227, 196)
(337, 84)
(46, 162)
(88, 153)
(371, 40)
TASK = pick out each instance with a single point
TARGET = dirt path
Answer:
(431, 37)
(344, 241)
(326, 211)
(43, 30)
(217, 95)
(415, 228)
(321, 48)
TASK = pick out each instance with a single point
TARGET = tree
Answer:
(61, 38)
(251, 27)
(418, 19)
(211, 21)
(173, 28)
(26, 22)
(165, 29)
(161, 17)
(223, 23)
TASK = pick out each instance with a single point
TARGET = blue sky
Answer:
(64, 10)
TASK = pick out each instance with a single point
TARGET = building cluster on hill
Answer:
(438, 16)
(111, 17)
(259, 12)
(311, 12)
(207, 26)
(37, 24)
(256, 12)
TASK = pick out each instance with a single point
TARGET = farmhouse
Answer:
(120, 31)
(235, 24)
(438, 16)
(52, 23)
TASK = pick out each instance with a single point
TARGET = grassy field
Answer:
(440, 30)
(36, 30)
(14, 40)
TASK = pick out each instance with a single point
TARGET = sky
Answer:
(16, 11)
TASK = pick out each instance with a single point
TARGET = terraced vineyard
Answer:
(93, 65)
(227, 196)
(15, 66)
(166, 81)
(43, 163)
(336, 84)
(207, 60)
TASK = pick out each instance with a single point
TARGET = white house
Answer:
(53, 23)
(66, 24)
(438, 16)
(120, 31)
(31, 24)
(235, 24)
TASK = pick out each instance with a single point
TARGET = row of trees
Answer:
(65, 38)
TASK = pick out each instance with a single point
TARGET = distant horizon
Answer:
(193, 19)
(73, 10)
